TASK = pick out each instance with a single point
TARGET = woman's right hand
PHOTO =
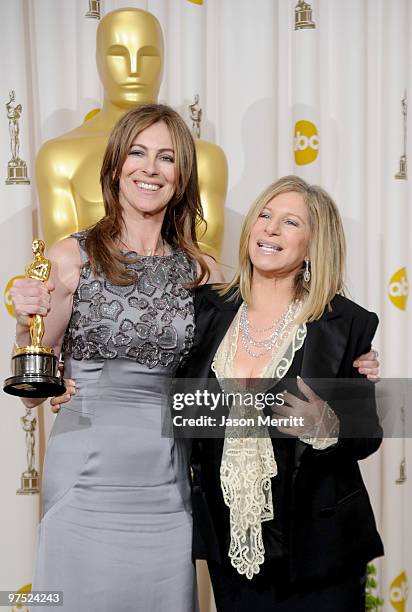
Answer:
(56, 402)
(30, 297)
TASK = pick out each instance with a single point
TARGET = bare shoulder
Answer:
(66, 250)
(66, 262)
(215, 272)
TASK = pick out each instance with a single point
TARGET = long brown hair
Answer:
(183, 213)
(327, 249)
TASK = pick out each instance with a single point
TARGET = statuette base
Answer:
(402, 174)
(17, 173)
(35, 374)
(29, 483)
(94, 9)
(305, 26)
(34, 350)
(303, 23)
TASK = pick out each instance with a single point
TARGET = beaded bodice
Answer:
(149, 321)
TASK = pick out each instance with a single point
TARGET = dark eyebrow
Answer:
(136, 144)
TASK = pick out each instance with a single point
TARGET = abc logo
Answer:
(6, 296)
(306, 142)
(398, 593)
(399, 289)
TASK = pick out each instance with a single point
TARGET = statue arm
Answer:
(57, 203)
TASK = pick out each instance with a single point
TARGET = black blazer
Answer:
(331, 526)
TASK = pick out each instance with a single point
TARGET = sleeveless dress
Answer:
(116, 531)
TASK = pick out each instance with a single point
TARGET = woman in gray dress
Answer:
(116, 530)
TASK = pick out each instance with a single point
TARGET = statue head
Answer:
(38, 247)
(129, 56)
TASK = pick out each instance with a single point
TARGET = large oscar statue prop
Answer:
(129, 60)
(35, 366)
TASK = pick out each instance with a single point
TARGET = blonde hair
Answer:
(327, 249)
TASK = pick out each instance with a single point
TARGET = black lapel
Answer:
(213, 318)
(221, 314)
(325, 345)
(323, 352)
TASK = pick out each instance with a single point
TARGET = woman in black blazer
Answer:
(300, 537)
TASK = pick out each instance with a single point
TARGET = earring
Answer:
(306, 273)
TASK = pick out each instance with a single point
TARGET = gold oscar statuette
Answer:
(195, 116)
(303, 16)
(403, 162)
(402, 472)
(402, 466)
(30, 477)
(16, 168)
(35, 367)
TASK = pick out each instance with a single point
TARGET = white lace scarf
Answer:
(248, 462)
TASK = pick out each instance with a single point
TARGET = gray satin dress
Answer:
(116, 531)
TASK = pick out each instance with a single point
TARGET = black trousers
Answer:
(272, 590)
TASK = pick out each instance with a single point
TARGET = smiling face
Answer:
(279, 239)
(148, 178)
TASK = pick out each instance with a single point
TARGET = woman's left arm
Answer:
(215, 272)
(364, 419)
(353, 425)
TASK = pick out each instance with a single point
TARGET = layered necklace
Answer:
(278, 330)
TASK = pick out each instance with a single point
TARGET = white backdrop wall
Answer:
(258, 80)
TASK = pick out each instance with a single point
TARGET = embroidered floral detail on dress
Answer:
(140, 303)
(121, 340)
(117, 290)
(88, 291)
(139, 321)
(168, 338)
(126, 325)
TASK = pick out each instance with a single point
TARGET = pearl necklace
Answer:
(281, 328)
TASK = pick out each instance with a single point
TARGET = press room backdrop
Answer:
(327, 101)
